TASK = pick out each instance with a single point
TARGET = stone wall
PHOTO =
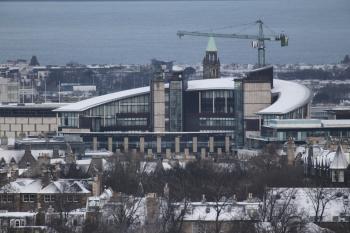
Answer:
(13, 127)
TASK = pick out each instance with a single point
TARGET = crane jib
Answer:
(257, 43)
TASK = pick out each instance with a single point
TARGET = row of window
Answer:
(8, 198)
(302, 135)
(216, 122)
(5, 198)
(137, 104)
(217, 101)
(217, 94)
(298, 113)
(132, 122)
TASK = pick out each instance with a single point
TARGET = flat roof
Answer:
(32, 106)
(339, 108)
(307, 124)
(136, 133)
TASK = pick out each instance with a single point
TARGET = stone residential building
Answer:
(26, 194)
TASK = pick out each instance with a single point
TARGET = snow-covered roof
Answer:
(339, 161)
(211, 84)
(206, 211)
(325, 158)
(98, 153)
(149, 167)
(57, 161)
(305, 198)
(17, 155)
(177, 68)
(204, 84)
(307, 123)
(83, 164)
(96, 101)
(27, 185)
(17, 214)
(65, 186)
(291, 96)
(32, 105)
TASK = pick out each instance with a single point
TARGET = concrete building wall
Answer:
(9, 91)
(257, 96)
(14, 126)
(158, 102)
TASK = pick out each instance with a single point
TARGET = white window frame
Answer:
(49, 198)
(28, 197)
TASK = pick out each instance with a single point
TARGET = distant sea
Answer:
(133, 32)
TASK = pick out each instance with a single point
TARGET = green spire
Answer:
(211, 47)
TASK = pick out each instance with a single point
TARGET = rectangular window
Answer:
(72, 198)
(28, 197)
(6, 198)
(49, 198)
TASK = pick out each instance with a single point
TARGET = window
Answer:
(6, 198)
(28, 198)
(17, 223)
(49, 198)
(72, 198)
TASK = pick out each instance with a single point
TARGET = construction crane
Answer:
(258, 40)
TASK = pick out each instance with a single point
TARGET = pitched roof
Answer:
(27, 185)
(211, 47)
(339, 161)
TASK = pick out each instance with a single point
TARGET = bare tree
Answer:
(172, 216)
(173, 212)
(279, 212)
(122, 215)
(320, 198)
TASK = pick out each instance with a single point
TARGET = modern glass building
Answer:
(301, 129)
(209, 110)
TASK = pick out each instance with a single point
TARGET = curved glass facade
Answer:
(208, 110)
(299, 113)
(125, 112)
(190, 111)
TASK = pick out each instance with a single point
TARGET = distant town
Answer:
(174, 148)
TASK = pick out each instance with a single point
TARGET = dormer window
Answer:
(17, 222)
